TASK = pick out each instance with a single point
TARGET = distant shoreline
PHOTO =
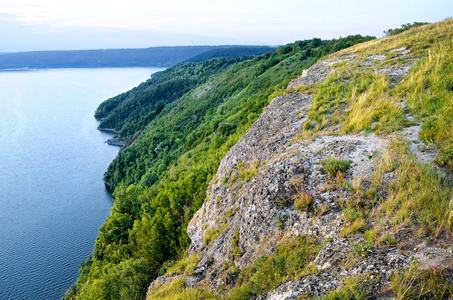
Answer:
(107, 129)
(25, 69)
(155, 57)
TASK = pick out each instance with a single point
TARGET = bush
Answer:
(332, 165)
(304, 201)
(403, 27)
(211, 235)
(363, 249)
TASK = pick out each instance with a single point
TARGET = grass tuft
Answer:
(211, 235)
(333, 165)
(177, 290)
(288, 262)
(418, 283)
(304, 201)
(419, 196)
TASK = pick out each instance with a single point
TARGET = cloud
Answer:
(251, 21)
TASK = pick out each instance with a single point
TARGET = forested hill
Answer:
(102, 58)
(161, 175)
(246, 51)
(131, 111)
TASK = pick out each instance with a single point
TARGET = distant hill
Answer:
(144, 57)
(231, 52)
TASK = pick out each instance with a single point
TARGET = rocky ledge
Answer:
(116, 142)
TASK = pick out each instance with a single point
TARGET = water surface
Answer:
(52, 159)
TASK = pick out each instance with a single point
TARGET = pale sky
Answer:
(27, 25)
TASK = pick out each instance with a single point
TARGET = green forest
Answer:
(179, 125)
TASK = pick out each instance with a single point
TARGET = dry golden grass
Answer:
(177, 290)
(419, 196)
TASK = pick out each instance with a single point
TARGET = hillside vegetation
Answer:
(231, 52)
(342, 188)
(160, 177)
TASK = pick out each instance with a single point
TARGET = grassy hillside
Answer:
(160, 178)
(376, 102)
(414, 206)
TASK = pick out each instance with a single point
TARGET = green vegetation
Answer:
(403, 27)
(248, 173)
(418, 283)
(363, 249)
(184, 265)
(211, 235)
(304, 201)
(429, 90)
(420, 196)
(160, 178)
(288, 262)
(177, 290)
(248, 51)
(130, 112)
(353, 288)
(355, 226)
(236, 251)
(332, 165)
(356, 98)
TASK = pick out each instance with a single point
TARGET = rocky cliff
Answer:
(331, 161)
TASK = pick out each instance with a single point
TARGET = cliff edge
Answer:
(341, 187)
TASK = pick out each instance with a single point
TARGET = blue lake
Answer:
(52, 160)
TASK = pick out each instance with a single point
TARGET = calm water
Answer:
(52, 159)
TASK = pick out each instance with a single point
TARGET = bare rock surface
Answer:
(434, 257)
(312, 75)
(116, 142)
(201, 91)
(395, 72)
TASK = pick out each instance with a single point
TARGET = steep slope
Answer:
(161, 175)
(130, 112)
(341, 189)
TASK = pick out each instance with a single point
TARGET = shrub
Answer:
(363, 249)
(332, 166)
(280, 225)
(304, 201)
(211, 235)
(403, 27)
(357, 226)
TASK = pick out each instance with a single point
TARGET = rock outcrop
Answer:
(250, 208)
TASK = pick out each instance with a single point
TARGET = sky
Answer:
(30, 25)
